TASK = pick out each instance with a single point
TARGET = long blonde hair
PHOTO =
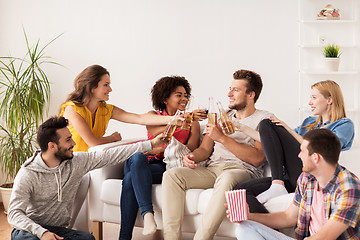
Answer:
(329, 88)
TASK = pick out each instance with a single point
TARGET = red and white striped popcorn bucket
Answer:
(236, 201)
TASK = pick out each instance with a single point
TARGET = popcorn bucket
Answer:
(236, 201)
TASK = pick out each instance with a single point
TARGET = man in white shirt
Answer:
(231, 159)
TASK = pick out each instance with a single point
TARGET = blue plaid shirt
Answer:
(342, 200)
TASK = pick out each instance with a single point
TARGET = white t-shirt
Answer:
(222, 154)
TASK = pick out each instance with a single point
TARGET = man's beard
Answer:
(61, 154)
(239, 106)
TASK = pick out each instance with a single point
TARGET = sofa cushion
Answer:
(111, 191)
(204, 200)
(280, 203)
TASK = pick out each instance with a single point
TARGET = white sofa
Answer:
(105, 189)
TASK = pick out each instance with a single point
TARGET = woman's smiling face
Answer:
(319, 104)
(101, 92)
(178, 100)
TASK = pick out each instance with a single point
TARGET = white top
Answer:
(222, 154)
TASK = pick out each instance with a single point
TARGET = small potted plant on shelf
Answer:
(332, 56)
(24, 95)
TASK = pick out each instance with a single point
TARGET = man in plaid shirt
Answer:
(326, 202)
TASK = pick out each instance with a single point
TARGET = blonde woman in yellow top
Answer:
(89, 115)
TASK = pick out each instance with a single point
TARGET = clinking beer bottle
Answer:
(170, 127)
(212, 116)
(226, 125)
(188, 116)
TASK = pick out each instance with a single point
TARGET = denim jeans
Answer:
(139, 175)
(66, 233)
(251, 230)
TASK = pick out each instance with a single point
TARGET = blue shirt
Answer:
(343, 129)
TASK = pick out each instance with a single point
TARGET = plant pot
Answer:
(332, 64)
(5, 191)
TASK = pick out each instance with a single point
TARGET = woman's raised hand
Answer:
(277, 121)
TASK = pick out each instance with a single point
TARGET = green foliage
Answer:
(24, 94)
(332, 51)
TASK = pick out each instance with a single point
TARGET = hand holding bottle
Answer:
(200, 113)
(214, 132)
(157, 141)
(226, 124)
(171, 127)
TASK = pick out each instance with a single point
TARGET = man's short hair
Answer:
(324, 142)
(254, 82)
(47, 131)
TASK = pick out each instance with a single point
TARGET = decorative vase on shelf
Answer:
(332, 64)
(332, 57)
(328, 13)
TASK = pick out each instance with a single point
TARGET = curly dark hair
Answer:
(163, 89)
(254, 82)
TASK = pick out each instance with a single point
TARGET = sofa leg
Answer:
(97, 230)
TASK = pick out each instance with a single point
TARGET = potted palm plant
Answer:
(24, 94)
(332, 57)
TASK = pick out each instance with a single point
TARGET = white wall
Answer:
(141, 41)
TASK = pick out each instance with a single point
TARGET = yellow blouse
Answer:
(102, 118)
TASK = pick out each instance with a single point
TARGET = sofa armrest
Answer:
(106, 146)
(98, 176)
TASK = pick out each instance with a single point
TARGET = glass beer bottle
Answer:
(226, 125)
(188, 116)
(212, 116)
(170, 127)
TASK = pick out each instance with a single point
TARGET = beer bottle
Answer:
(170, 127)
(226, 125)
(212, 115)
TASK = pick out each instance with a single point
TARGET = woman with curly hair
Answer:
(169, 94)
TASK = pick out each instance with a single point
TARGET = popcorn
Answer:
(236, 201)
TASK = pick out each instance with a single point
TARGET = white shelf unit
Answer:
(313, 36)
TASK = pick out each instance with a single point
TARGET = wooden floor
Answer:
(5, 228)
